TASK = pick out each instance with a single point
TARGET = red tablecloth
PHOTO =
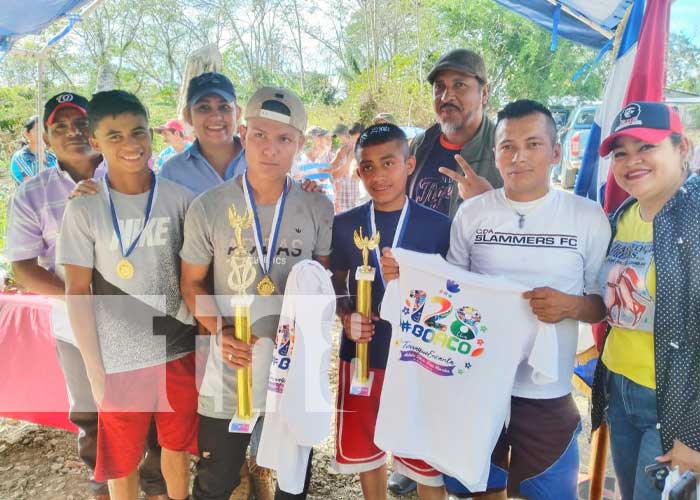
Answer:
(32, 386)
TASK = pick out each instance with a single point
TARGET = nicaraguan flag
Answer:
(638, 75)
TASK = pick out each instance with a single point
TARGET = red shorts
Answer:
(165, 393)
(356, 418)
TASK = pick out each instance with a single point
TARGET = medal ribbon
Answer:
(398, 234)
(265, 259)
(115, 221)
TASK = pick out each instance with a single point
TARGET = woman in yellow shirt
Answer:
(650, 370)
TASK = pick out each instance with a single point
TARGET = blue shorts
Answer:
(541, 438)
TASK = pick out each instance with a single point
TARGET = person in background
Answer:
(173, 133)
(24, 163)
(315, 164)
(647, 383)
(347, 183)
(383, 118)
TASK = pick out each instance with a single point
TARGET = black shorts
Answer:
(221, 456)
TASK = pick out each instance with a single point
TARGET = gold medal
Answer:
(266, 286)
(125, 270)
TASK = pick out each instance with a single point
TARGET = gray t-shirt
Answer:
(305, 231)
(140, 321)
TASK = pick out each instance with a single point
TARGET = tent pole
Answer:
(41, 68)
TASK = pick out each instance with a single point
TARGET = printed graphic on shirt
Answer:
(488, 236)
(442, 331)
(281, 357)
(156, 233)
(627, 297)
(433, 189)
(434, 192)
(286, 248)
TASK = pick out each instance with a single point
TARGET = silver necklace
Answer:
(522, 214)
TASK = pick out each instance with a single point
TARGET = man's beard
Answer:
(448, 127)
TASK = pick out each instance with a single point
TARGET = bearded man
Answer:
(442, 179)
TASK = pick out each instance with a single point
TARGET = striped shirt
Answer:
(35, 214)
(320, 174)
(23, 164)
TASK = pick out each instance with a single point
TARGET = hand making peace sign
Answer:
(470, 184)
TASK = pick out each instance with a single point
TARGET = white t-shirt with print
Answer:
(562, 244)
(458, 338)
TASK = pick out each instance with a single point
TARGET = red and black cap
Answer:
(650, 122)
(61, 101)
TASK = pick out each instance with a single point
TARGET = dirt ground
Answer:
(40, 463)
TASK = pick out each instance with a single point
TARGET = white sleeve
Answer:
(597, 241)
(458, 254)
(544, 355)
(307, 405)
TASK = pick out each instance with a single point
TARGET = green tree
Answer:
(682, 64)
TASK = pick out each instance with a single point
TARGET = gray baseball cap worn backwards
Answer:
(460, 60)
(277, 104)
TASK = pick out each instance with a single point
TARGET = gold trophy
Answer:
(361, 383)
(242, 275)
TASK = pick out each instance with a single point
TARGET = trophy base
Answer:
(239, 425)
(357, 387)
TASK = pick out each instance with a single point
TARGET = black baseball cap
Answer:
(460, 60)
(29, 124)
(210, 83)
(647, 121)
(61, 101)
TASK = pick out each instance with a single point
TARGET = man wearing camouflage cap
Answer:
(442, 180)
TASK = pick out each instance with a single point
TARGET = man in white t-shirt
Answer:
(554, 243)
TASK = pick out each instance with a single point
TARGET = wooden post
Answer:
(599, 455)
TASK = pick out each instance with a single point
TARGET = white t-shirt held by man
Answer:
(454, 353)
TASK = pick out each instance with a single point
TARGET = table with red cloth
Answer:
(32, 386)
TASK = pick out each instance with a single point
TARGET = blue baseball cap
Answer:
(210, 83)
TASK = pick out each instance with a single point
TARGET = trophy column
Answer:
(242, 275)
(361, 384)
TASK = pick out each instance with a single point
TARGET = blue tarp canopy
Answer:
(586, 22)
(572, 19)
(30, 17)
